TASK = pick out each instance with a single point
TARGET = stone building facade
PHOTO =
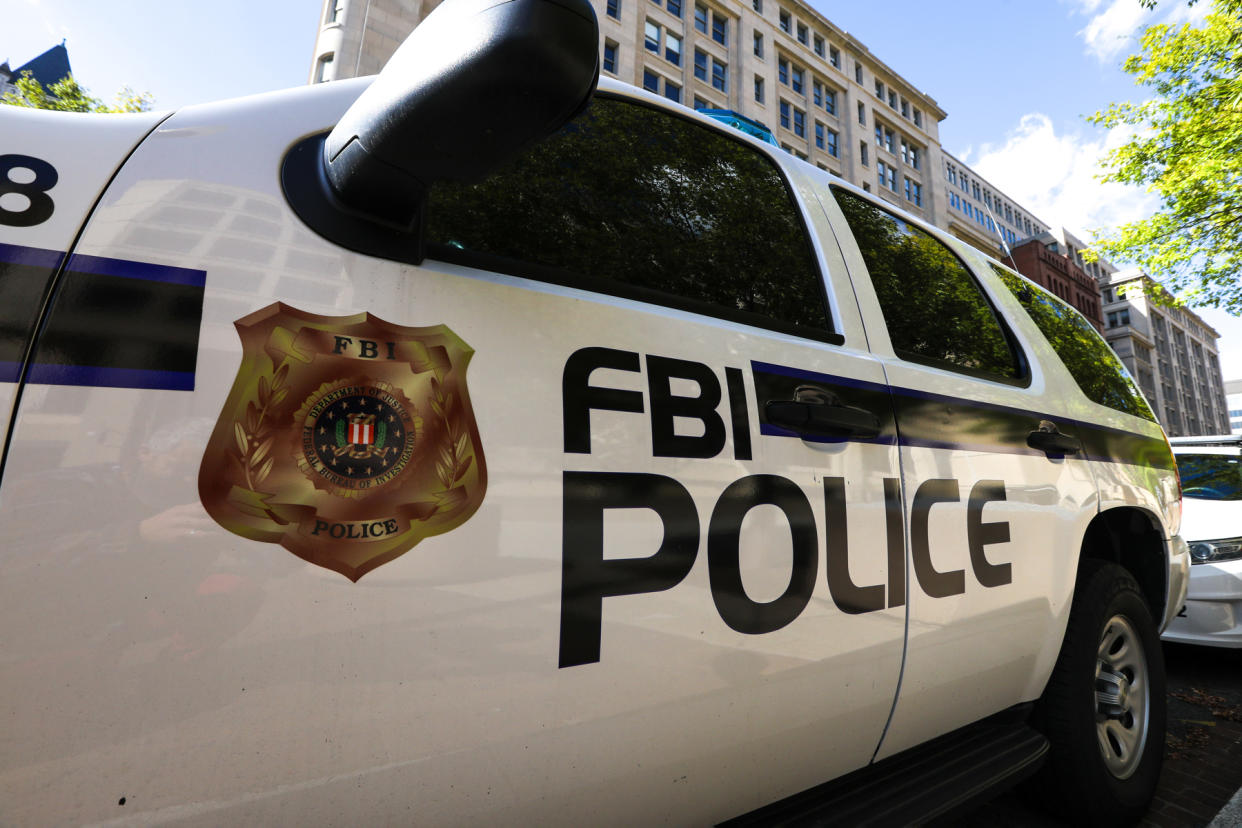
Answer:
(824, 95)
(1169, 350)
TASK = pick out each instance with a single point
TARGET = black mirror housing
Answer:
(474, 84)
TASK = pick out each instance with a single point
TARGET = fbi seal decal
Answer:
(345, 439)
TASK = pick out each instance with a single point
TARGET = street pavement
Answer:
(1201, 783)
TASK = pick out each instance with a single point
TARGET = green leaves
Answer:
(1188, 151)
(66, 95)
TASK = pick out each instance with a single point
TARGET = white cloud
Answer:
(1053, 174)
(1112, 33)
(1115, 26)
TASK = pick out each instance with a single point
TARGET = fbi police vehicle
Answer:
(472, 444)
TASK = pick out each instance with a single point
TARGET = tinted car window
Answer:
(1093, 365)
(637, 202)
(934, 310)
(1210, 476)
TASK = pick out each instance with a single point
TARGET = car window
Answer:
(633, 201)
(934, 310)
(1092, 364)
(1210, 476)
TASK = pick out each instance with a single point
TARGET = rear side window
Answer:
(635, 202)
(1092, 364)
(1210, 476)
(935, 312)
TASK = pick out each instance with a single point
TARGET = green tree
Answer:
(1187, 150)
(67, 95)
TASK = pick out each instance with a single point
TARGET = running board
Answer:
(919, 785)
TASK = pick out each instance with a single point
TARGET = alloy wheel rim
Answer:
(1122, 700)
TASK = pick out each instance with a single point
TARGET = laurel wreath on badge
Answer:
(454, 458)
(254, 436)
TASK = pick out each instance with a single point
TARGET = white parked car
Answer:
(471, 445)
(1211, 474)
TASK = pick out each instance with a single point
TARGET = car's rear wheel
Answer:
(1104, 707)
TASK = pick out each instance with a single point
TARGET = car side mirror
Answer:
(476, 83)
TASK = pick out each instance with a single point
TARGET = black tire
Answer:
(1107, 737)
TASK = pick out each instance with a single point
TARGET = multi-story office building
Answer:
(1169, 350)
(824, 95)
(980, 214)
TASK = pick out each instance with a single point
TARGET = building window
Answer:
(757, 5)
(918, 118)
(720, 29)
(819, 135)
(831, 143)
(323, 68)
(700, 65)
(862, 152)
(795, 79)
(887, 175)
(699, 103)
(857, 72)
(975, 187)
(884, 137)
(1119, 318)
(782, 71)
(799, 123)
(720, 75)
(651, 38)
(613, 9)
(862, 114)
(905, 108)
(879, 89)
(610, 57)
(700, 18)
(336, 10)
(672, 48)
(672, 91)
(786, 23)
(758, 45)
(784, 114)
(758, 89)
(830, 101)
(834, 57)
(674, 7)
(892, 99)
(651, 81)
(819, 45)
(909, 154)
(802, 33)
(914, 192)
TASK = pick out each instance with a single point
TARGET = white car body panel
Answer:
(206, 677)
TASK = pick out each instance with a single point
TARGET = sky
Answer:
(1016, 79)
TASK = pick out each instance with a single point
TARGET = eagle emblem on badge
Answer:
(345, 439)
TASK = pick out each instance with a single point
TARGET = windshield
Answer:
(1210, 476)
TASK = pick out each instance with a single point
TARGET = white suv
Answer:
(462, 446)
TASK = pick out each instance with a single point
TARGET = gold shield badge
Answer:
(345, 439)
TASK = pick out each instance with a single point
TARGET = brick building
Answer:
(1056, 264)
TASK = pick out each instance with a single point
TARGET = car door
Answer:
(625, 592)
(994, 524)
(53, 166)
